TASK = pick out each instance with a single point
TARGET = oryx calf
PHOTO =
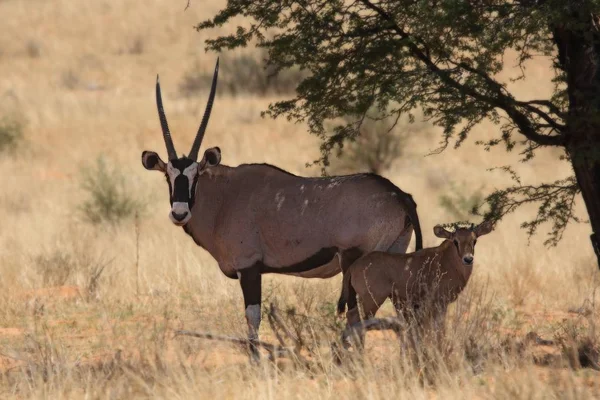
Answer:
(256, 218)
(420, 285)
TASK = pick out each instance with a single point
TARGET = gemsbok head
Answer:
(182, 172)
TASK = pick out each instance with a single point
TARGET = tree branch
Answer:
(503, 101)
(373, 324)
(556, 204)
(273, 350)
(546, 103)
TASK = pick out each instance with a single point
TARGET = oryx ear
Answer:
(212, 157)
(484, 228)
(441, 232)
(151, 161)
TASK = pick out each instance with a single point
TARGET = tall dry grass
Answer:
(81, 76)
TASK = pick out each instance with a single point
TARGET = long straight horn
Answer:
(200, 135)
(163, 123)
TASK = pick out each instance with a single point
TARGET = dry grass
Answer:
(81, 76)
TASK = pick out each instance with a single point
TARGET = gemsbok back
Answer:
(420, 285)
(256, 218)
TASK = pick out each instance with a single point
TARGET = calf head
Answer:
(182, 172)
(464, 239)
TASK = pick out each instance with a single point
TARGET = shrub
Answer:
(242, 74)
(374, 150)
(110, 200)
(76, 262)
(11, 134)
(580, 344)
(55, 268)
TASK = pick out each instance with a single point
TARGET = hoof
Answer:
(254, 354)
(255, 358)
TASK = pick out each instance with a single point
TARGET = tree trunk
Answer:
(587, 173)
(578, 44)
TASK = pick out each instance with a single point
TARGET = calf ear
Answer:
(484, 228)
(441, 232)
(151, 161)
(212, 157)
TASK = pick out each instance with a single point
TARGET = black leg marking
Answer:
(250, 280)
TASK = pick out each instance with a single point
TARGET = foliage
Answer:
(441, 57)
(110, 199)
(242, 74)
(11, 134)
(556, 201)
(459, 203)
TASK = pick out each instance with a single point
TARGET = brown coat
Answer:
(420, 284)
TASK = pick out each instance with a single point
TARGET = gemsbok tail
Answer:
(411, 210)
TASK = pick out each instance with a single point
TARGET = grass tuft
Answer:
(110, 198)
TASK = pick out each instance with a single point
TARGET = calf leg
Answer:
(250, 280)
(411, 340)
(370, 307)
(438, 324)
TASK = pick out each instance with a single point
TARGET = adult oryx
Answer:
(257, 218)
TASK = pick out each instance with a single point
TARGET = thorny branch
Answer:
(277, 324)
(275, 351)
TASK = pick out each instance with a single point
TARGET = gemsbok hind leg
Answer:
(400, 245)
(250, 280)
(347, 258)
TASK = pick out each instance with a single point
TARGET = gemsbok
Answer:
(256, 218)
(420, 285)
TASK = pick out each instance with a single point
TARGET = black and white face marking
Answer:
(182, 176)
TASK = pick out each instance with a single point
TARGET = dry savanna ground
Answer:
(89, 308)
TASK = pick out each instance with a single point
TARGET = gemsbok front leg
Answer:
(250, 280)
